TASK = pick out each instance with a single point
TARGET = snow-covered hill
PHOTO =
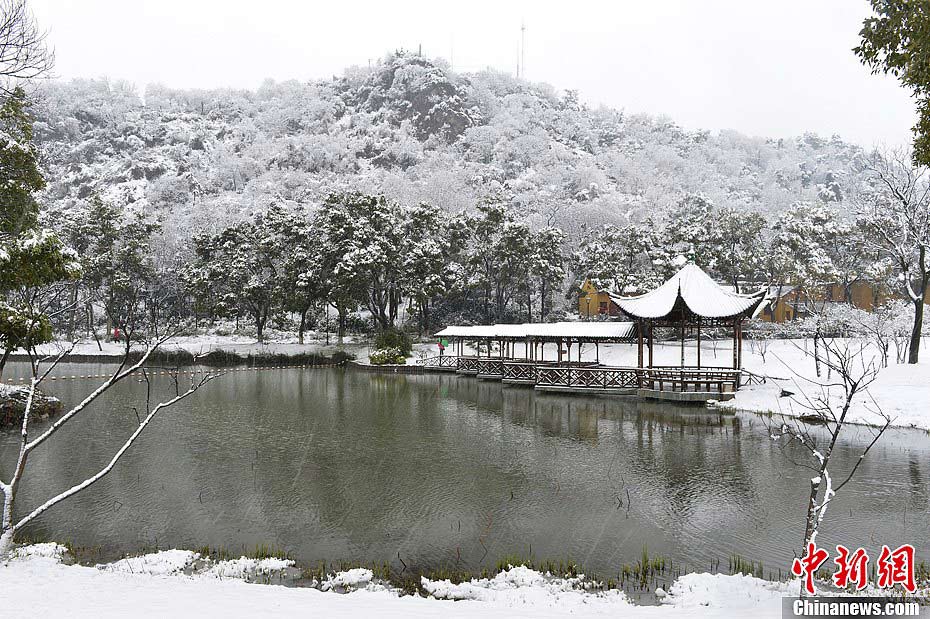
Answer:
(413, 129)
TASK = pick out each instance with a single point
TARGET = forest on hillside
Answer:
(415, 131)
(406, 189)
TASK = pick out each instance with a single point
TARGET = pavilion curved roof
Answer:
(692, 289)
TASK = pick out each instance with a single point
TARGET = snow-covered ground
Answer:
(37, 583)
(901, 390)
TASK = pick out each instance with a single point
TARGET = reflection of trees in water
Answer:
(917, 492)
(333, 464)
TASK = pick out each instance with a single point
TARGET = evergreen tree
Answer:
(896, 40)
(32, 258)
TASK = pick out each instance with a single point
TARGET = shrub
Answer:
(385, 356)
(394, 338)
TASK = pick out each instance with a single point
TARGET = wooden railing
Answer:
(472, 365)
(710, 380)
(468, 365)
(523, 371)
(587, 377)
(619, 378)
(441, 361)
(491, 366)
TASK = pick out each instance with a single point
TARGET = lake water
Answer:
(446, 470)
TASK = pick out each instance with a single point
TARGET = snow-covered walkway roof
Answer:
(579, 331)
(699, 293)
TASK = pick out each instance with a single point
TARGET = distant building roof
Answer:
(590, 331)
(693, 290)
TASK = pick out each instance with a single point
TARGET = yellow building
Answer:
(796, 302)
(594, 302)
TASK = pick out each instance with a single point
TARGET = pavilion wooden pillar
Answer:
(739, 350)
(699, 342)
(682, 341)
(735, 343)
(639, 343)
(651, 342)
(597, 352)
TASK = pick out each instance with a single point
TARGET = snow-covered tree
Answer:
(32, 257)
(118, 269)
(739, 248)
(895, 211)
(800, 244)
(363, 252)
(619, 258)
(240, 267)
(428, 248)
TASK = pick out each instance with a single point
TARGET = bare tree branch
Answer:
(119, 454)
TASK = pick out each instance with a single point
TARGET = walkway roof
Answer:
(577, 331)
(694, 290)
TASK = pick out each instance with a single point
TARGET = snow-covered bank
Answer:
(279, 344)
(205, 343)
(901, 390)
(156, 586)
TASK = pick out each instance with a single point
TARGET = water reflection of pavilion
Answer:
(686, 305)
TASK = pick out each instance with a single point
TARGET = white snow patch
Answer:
(246, 568)
(522, 586)
(353, 578)
(736, 592)
(518, 592)
(159, 563)
(48, 550)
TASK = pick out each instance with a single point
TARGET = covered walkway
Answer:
(687, 304)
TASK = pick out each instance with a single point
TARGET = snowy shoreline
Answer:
(901, 390)
(167, 582)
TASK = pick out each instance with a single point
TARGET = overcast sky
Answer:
(763, 68)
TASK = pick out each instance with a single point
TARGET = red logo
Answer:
(809, 564)
(894, 567)
(851, 568)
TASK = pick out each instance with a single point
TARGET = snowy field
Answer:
(159, 585)
(902, 391)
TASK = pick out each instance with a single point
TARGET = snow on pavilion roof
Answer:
(699, 293)
(566, 330)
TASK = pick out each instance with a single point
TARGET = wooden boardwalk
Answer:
(660, 383)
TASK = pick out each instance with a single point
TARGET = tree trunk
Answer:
(6, 543)
(92, 326)
(3, 359)
(914, 349)
(260, 318)
(303, 325)
(810, 528)
(74, 305)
